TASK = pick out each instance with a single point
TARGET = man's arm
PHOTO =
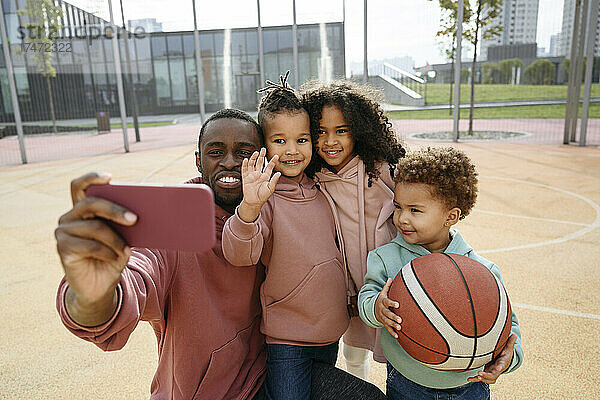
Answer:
(92, 254)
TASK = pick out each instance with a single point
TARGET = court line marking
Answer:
(557, 311)
(532, 218)
(588, 228)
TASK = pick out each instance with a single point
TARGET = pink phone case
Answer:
(176, 217)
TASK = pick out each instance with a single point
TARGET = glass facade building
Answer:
(163, 66)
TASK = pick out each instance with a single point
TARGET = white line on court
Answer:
(557, 311)
(587, 228)
(532, 218)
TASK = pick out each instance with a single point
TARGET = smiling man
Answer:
(209, 348)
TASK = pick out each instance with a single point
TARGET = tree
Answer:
(43, 23)
(481, 16)
(540, 72)
(448, 29)
(507, 67)
(486, 13)
(491, 73)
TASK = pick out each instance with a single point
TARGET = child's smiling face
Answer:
(288, 136)
(421, 217)
(336, 144)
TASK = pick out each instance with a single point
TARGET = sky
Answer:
(396, 28)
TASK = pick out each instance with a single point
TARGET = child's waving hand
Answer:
(257, 184)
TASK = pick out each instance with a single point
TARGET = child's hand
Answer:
(492, 371)
(257, 185)
(390, 321)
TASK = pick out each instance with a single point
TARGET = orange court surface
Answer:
(537, 217)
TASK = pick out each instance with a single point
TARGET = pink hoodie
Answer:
(205, 313)
(365, 218)
(304, 294)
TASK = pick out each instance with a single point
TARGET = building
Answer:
(518, 19)
(163, 67)
(149, 25)
(567, 30)
(555, 45)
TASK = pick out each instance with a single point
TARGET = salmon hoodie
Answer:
(206, 316)
(365, 213)
(304, 295)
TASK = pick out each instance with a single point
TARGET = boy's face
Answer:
(336, 144)
(288, 136)
(421, 217)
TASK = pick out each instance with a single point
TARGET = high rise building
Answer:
(555, 45)
(567, 30)
(519, 21)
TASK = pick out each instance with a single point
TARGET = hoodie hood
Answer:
(348, 172)
(288, 188)
(457, 245)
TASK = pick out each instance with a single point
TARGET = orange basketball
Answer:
(455, 313)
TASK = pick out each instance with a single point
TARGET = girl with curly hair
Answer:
(355, 154)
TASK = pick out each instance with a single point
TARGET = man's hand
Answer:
(387, 317)
(257, 185)
(492, 371)
(92, 254)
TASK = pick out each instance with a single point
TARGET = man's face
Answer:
(225, 143)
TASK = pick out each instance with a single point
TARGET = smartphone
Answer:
(175, 217)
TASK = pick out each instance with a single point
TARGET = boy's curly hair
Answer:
(374, 139)
(449, 171)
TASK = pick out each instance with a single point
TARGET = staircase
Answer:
(398, 86)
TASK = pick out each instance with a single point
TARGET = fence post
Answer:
(13, 87)
(591, 35)
(117, 61)
(571, 77)
(199, 71)
(457, 66)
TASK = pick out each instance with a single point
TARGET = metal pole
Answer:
(571, 78)
(261, 56)
(120, 91)
(199, 68)
(295, 43)
(12, 85)
(578, 69)
(457, 66)
(365, 61)
(134, 108)
(591, 35)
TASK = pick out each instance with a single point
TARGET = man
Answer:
(205, 312)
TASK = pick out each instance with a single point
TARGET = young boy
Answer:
(435, 188)
(287, 223)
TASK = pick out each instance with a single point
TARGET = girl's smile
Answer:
(336, 144)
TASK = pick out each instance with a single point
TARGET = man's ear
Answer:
(453, 216)
(198, 162)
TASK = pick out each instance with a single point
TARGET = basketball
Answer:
(455, 313)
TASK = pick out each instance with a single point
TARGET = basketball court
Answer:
(537, 217)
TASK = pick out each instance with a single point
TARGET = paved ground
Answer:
(537, 216)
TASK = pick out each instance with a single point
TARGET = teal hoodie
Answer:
(384, 262)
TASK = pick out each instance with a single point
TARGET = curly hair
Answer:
(374, 139)
(449, 171)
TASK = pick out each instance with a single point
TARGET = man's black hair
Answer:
(230, 113)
